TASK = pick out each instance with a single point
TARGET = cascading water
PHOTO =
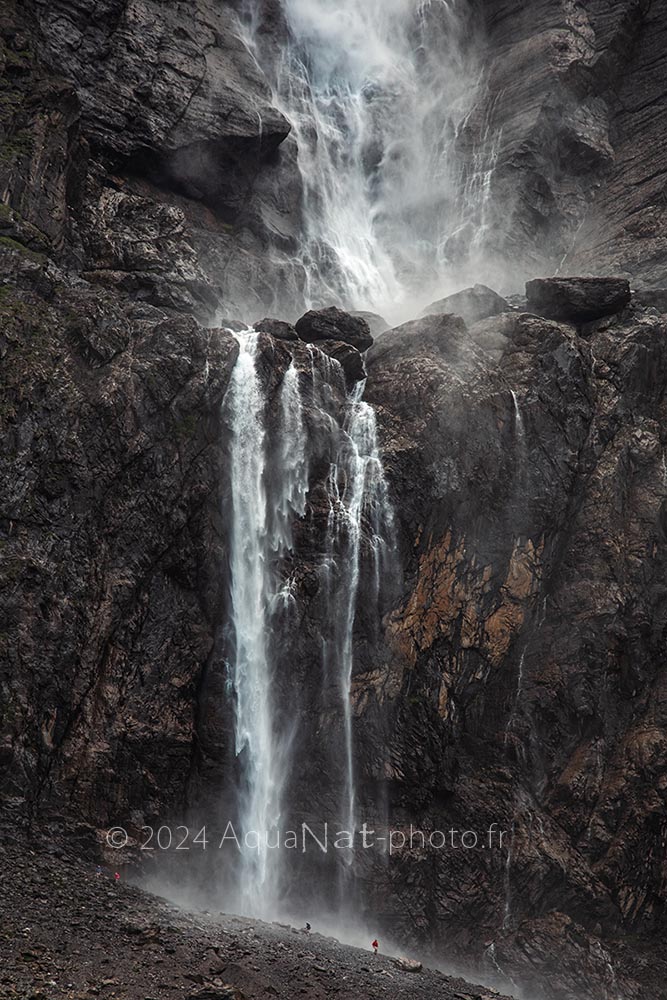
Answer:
(269, 473)
(262, 510)
(377, 93)
(358, 502)
(252, 547)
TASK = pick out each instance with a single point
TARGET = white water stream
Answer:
(264, 508)
(377, 94)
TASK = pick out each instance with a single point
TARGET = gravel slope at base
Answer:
(68, 932)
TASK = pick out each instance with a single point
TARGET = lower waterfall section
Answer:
(304, 432)
(358, 502)
(253, 551)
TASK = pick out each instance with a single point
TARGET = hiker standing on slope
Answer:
(375, 946)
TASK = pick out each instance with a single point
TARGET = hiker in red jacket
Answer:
(375, 946)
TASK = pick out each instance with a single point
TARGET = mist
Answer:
(395, 184)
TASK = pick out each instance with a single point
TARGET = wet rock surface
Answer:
(334, 324)
(348, 357)
(110, 473)
(277, 328)
(529, 636)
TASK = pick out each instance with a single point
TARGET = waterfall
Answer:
(269, 480)
(359, 501)
(518, 419)
(377, 94)
(261, 516)
(516, 704)
(507, 905)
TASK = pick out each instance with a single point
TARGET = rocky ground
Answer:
(71, 932)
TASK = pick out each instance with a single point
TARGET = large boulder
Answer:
(277, 328)
(472, 304)
(334, 324)
(577, 300)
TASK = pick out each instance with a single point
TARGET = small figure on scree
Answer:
(307, 928)
(375, 946)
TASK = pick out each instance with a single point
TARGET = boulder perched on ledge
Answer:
(334, 324)
(277, 328)
(577, 300)
(471, 304)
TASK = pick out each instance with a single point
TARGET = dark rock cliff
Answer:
(572, 113)
(527, 459)
(109, 513)
(520, 678)
(140, 140)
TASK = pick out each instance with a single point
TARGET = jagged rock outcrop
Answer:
(471, 304)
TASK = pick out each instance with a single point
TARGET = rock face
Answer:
(131, 138)
(577, 300)
(435, 335)
(518, 676)
(471, 304)
(110, 475)
(141, 141)
(334, 324)
(573, 122)
(526, 677)
(193, 119)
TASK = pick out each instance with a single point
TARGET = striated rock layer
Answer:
(528, 467)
